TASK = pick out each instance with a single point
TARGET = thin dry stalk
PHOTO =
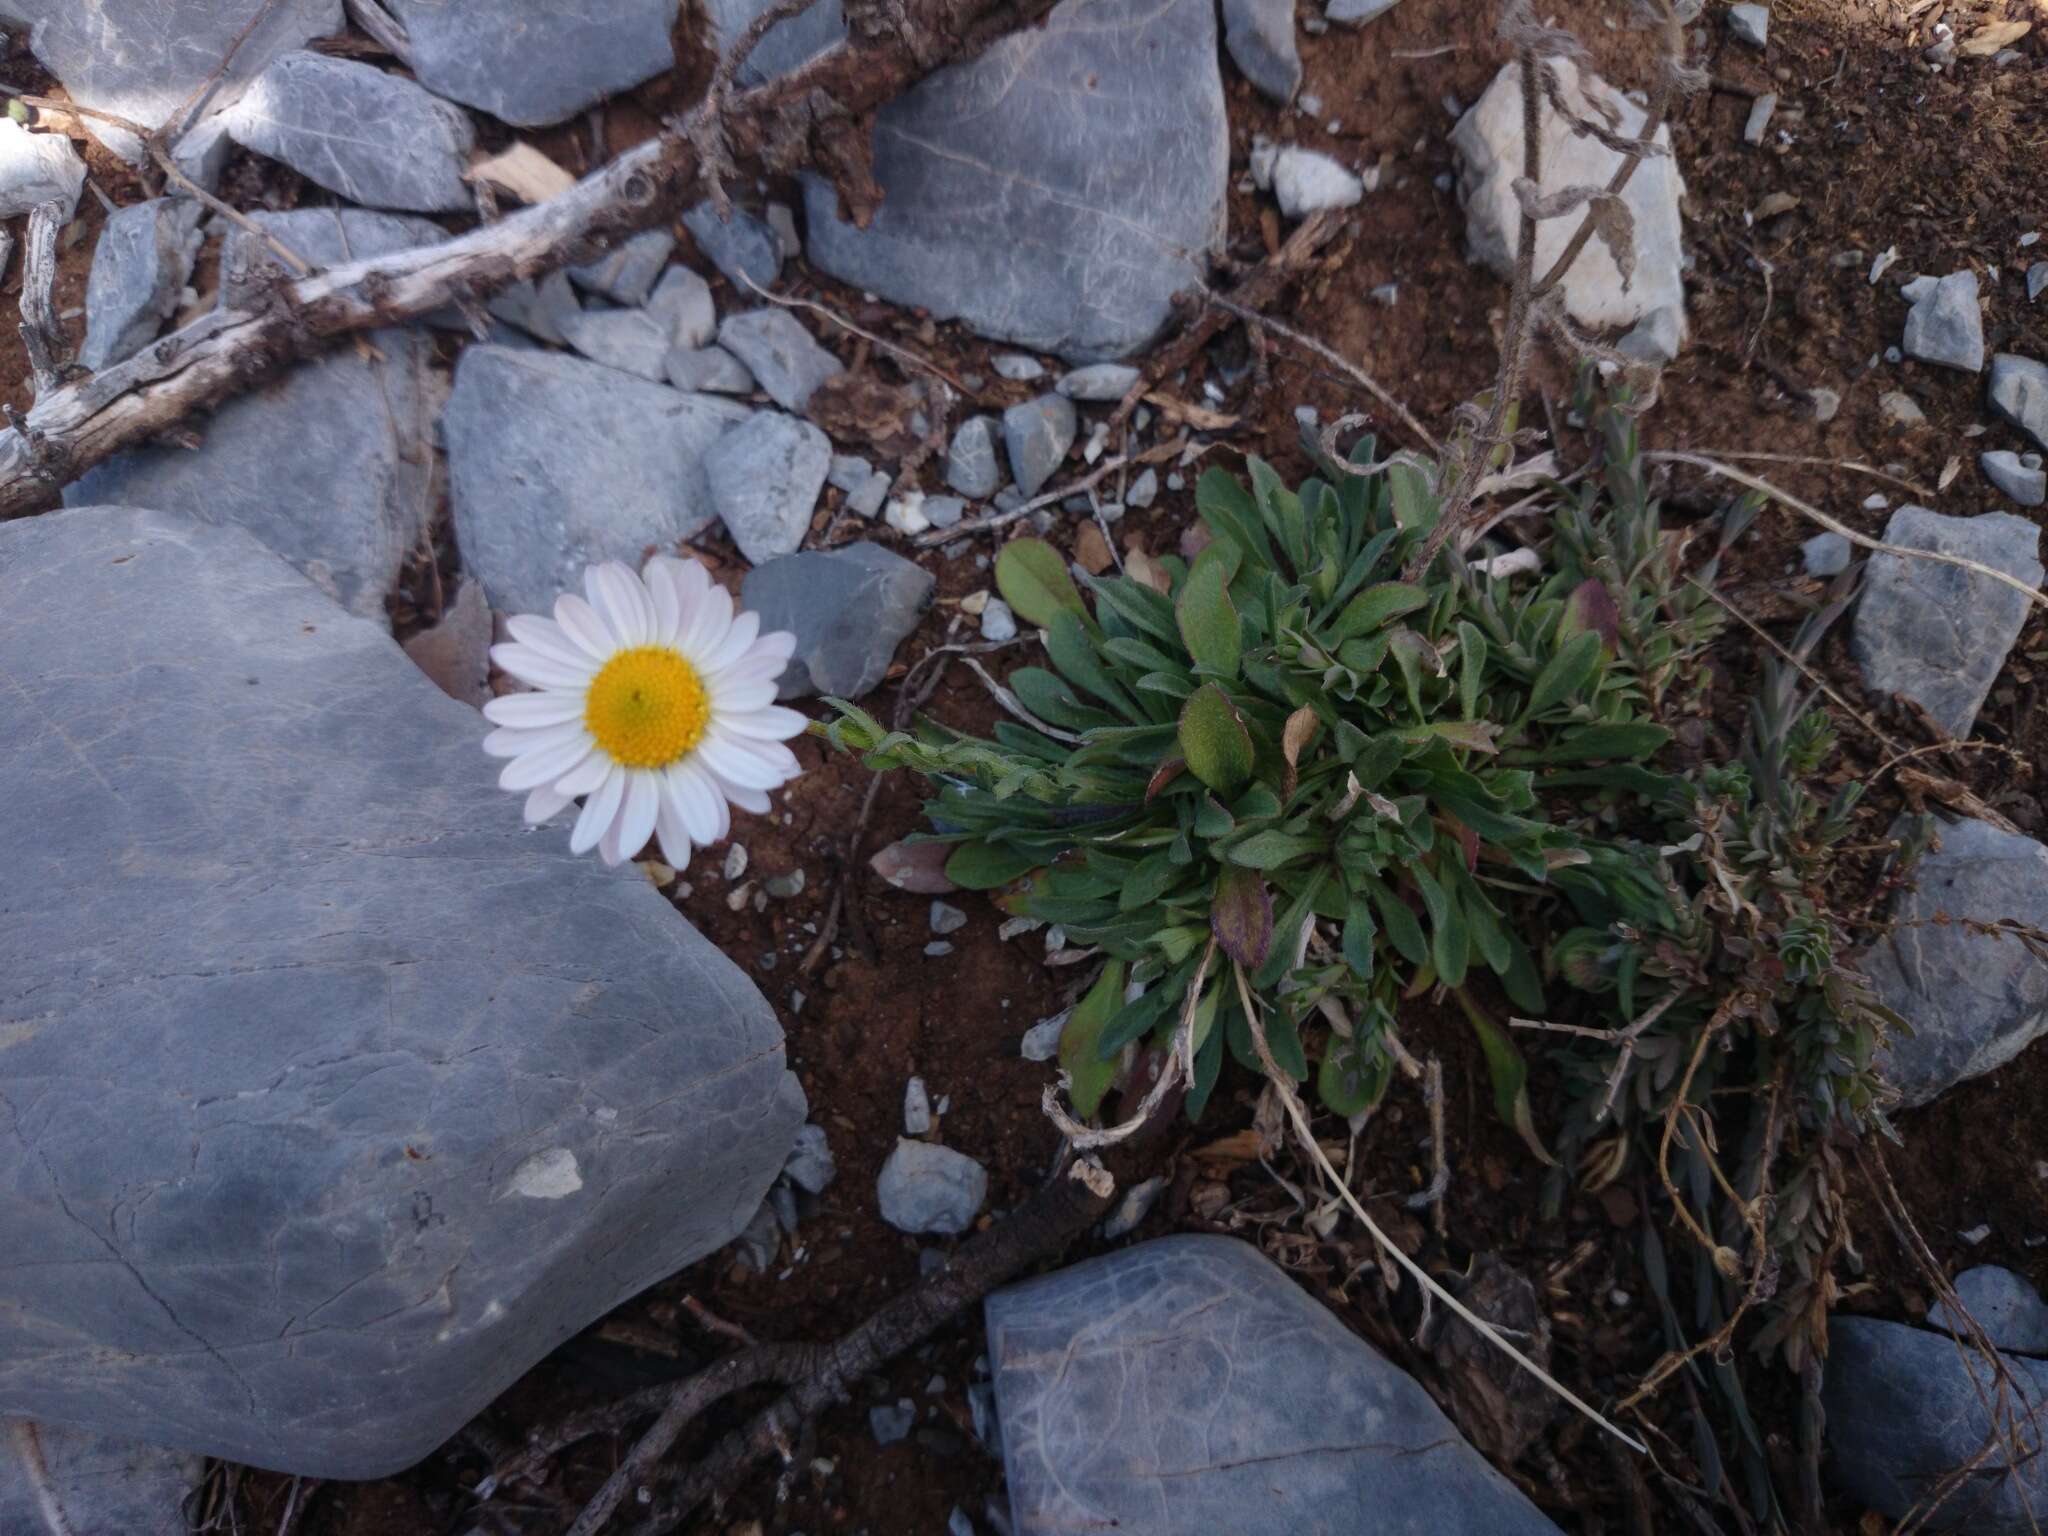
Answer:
(900, 353)
(1335, 359)
(40, 337)
(1179, 1067)
(1155, 455)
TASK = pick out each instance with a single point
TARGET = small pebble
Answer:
(1042, 1040)
(947, 918)
(1145, 489)
(917, 1108)
(735, 861)
(1386, 295)
(1976, 1234)
(957, 1523)
(782, 887)
(1016, 367)
(891, 1424)
(938, 949)
(1826, 404)
(998, 623)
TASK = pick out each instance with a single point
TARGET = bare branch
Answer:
(40, 337)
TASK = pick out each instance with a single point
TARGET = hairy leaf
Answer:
(1208, 619)
(1032, 576)
(1242, 916)
(1214, 740)
(1089, 1076)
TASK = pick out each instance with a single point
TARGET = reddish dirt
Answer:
(1946, 167)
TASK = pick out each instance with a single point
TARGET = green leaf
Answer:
(1214, 741)
(1227, 507)
(1510, 1074)
(1415, 505)
(983, 866)
(1067, 643)
(1451, 940)
(1283, 1039)
(1208, 1066)
(1374, 607)
(1566, 674)
(1208, 619)
(1032, 576)
(1350, 1080)
(1621, 740)
(1272, 848)
(1471, 668)
(1403, 932)
(1162, 999)
(1080, 1042)
(1242, 916)
(1359, 932)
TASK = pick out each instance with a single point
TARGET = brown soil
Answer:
(1946, 167)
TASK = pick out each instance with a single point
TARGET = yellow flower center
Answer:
(647, 707)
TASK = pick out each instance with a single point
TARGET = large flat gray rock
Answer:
(555, 463)
(144, 59)
(1974, 1001)
(371, 137)
(331, 1098)
(1188, 1385)
(849, 609)
(1903, 1412)
(786, 45)
(139, 268)
(532, 62)
(1259, 35)
(37, 168)
(2004, 1305)
(1056, 191)
(68, 1482)
(1937, 633)
(329, 465)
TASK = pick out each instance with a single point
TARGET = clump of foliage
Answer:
(1339, 780)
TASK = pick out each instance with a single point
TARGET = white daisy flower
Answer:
(654, 702)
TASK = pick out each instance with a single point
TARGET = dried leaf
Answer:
(916, 867)
(1590, 606)
(1949, 471)
(1146, 571)
(1092, 551)
(1299, 731)
(1988, 39)
(1164, 775)
(1242, 917)
(1613, 223)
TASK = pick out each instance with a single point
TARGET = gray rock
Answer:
(760, 1241)
(1975, 1001)
(1826, 554)
(928, 1188)
(368, 136)
(1307, 180)
(2019, 392)
(1259, 35)
(326, 237)
(998, 623)
(1657, 338)
(867, 500)
(1903, 1411)
(1937, 633)
(971, 465)
(138, 269)
(943, 511)
(2005, 1305)
(37, 168)
(1945, 326)
(1353, 13)
(1188, 1385)
(1042, 1040)
(786, 45)
(1761, 110)
(1826, 403)
(782, 219)
(314, 1171)
(1750, 24)
(1132, 1209)
(711, 368)
(2006, 470)
(56, 1481)
(893, 1422)
(555, 463)
(144, 59)
(1001, 207)
(1036, 435)
(1900, 410)
(1097, 381)
(532, 62)
(1488, 140)
(456, 652)
(631, 340)
(683, 300)
(1144, 490)
(1017, 368)
(917, 1108)
(2037, 280)
(765, 476)
(329, 465)
(538, 308)
(849, 609)
(780, 353)
(947, 918)
(810, 1166)
(849, 472)
(743, 247)
(626, 274)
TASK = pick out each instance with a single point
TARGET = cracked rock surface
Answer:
(331, 1098)
(533, 62)
(1188, 1385)
(1002, 208)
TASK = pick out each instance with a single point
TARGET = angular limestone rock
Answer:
(138, 269)
(555, 463)
(1058, 190)
(1188, 1385)
(331, 1098)
(849, 609)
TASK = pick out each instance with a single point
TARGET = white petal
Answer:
(620, 598)
(511, 741)
(546, 765)
(752, 801)
(729, 699)
(586, 776)
(668, 607)
(736, 643)
(746, 673)
(530, 711)
(598, 812)
(609, 847)
(771, 723)
(735, 764)
(636, 816)
(696, 799)
(542, 804)
(531, 667)
(580, 622)
(547, 637)
(671, 834)
(706, 625)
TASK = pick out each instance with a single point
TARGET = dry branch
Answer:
(40, 337)
(799, 118)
